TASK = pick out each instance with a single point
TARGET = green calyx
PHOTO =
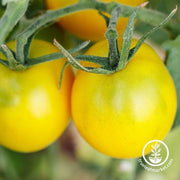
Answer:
(116, 60)
(11, 63)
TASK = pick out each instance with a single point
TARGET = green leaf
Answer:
(173, 65)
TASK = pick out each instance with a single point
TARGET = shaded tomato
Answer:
(88, 24)
(33, 111)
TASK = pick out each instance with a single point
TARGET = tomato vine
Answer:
(23, 41)
(17, 9)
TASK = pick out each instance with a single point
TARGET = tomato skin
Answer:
(36, 112)
(118, 114)
(88, 24)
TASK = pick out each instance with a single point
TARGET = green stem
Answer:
(71, 60)
(127, 39)
(69, 57)
(14, 11)
(3, 62)
(9, 55)
(151, 17)
(118, 10)
(142, 39)
(55, 56)
(126, 52)
(103, 61)
(61, 74)
(12, 63)
(49, 16)
(112, 35)
(24, 39)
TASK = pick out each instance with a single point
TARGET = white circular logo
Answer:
(158, 153)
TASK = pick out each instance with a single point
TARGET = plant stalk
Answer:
(148, 16)
(14, 11)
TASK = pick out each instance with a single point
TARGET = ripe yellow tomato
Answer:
(88, 24)
(33, 111)
(118, 114)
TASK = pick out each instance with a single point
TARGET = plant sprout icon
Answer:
(155, 154)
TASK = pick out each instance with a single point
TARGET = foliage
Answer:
(173, 64)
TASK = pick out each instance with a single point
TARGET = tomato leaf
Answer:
(173, 65)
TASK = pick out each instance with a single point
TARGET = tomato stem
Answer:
(74, 62)
(55, 56)
(116, 10)
(127, 39)
(24, 39)
(111, 36)
(12, 63)
(14, 11)
(142, 39)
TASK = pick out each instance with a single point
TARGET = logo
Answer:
(156, 158)
(155, 154)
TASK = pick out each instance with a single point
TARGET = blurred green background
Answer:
(70, 157)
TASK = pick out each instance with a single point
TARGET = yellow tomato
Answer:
(33, 111)
(88, 24)
(118, 114)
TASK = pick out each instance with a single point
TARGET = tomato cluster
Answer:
(117, 114)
